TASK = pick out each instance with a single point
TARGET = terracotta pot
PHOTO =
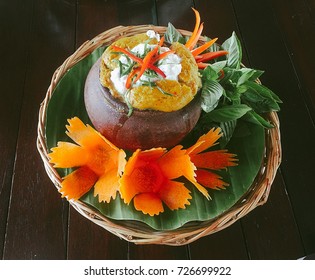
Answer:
(144, 129)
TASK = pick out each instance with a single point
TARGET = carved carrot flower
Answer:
(148, 180)
(99, 163)
(211, 160)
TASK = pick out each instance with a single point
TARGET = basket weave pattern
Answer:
(137, 232)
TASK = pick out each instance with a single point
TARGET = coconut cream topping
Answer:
(170, 65)
(151, 34)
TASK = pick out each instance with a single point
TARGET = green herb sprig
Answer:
(230, 91)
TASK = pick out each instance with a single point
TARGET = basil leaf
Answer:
(210, 74)
(259, 98)
(231, 76)
(227, 130)
(255, 118)
(233, 96)
(233, 46)
(210, 95)
(241, 89)
(258, 103)
(264, 91)
(248, 74)
(172, 34)
(218, 66)
(240, 76)
(227, 113)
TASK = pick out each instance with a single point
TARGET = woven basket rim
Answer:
(134, 232)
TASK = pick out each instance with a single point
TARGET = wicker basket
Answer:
(136, 231)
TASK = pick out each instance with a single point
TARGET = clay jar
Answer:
(144, 129)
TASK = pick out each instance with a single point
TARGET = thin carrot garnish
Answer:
(161, 56)
(190, 41)
(202, 65)
(149, 60)
(221, 74)
(146, 62)
(196, 38)
(128, 53)
(161, 42)
(138, 60)
(157, 70)
(197, 52)
(131, 76)
(210, 55)
(202, 48)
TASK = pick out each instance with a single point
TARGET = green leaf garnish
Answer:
(233, 46)
(210, 95)
(172, 35)
(227, 113)
(259, 98)
(227, 129)
(163, 91)
(255, 118)
(248, 74)
(130, 107)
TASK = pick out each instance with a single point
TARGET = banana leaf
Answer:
(248, 143)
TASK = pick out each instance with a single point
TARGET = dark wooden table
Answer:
(278, 36)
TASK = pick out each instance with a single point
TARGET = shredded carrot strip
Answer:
(193, 35)
(130, 77)
(157, 70)
(160, 44)
(129, 54)
(221, 74)
(202, 65)
(140, 61)
(146, 62)
(196, 38)
(161, 56)
(210, 55)
(202, 48)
